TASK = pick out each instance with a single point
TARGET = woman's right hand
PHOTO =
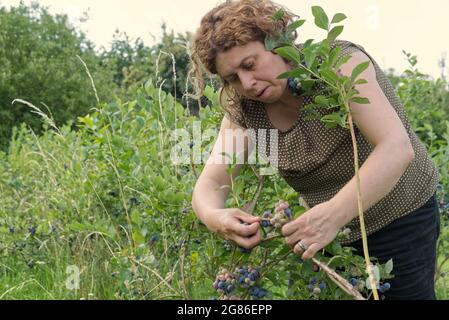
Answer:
(238, 226)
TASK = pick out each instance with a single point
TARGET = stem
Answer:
(153, 272)
(249, 207)
(359, 203)
(339, 280)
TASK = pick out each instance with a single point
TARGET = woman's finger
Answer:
(311, 251)
(245, 217)
(246, 230)
(248, 242)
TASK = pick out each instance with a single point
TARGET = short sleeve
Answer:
(235, 115)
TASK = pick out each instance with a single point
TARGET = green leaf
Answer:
(310, 58)
(360, 100)
(284, 250)
(295, 25)
(329, 76)
(338, 18)
(298, 211)
(308, 84)
(335, 119)
(135, 217)
(273, 42)
(284, 75)
(341, 61)
(159, 183)
(137, 236)
(278, 15)
(321, 18)
(389, 266)
(76, 226)
(361, 81)
(359, 69)
(272, 277)
(333, 56)
(269, 244)
(334, 33)
(321, 100)
(308, 43)
(289, 53)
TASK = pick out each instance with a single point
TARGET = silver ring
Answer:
(302, 245)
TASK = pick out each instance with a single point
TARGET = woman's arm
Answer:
(212, 188)
(392, 154)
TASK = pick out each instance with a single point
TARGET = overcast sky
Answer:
(383, 27)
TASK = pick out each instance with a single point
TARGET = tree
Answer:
(38, 63)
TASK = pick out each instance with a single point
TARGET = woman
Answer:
(398, 179)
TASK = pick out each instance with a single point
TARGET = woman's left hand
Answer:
(314, 230)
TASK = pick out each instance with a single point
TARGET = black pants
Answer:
(411, 242)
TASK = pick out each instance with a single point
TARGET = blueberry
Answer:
(288, 213)
(30, 264)
(230, 288)
(133, 201)
(254, 291)
(312, 280)
(262, 293)
(32, 230)
(386, 286)
(244, 250)
(222, 285)
(112, 193)
(266, 214)
(310, 287)
(11, 230)
(322, 286)
(255, 273)
(154, 238)
(353, 281)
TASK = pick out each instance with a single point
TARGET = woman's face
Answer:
(251, 70)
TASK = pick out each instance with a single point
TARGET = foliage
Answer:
(107, 200)
(38, 62)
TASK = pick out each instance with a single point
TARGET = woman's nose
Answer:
(248, 81)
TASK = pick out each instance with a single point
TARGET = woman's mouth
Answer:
(261, 93)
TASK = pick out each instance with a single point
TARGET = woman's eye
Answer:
(249, 66)
(232, 78)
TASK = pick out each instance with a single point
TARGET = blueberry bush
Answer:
(103, 212)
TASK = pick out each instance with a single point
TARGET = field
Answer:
(103, 213)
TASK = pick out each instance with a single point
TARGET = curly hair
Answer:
(232, 23)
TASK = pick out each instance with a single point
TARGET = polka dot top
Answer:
(317, 162)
